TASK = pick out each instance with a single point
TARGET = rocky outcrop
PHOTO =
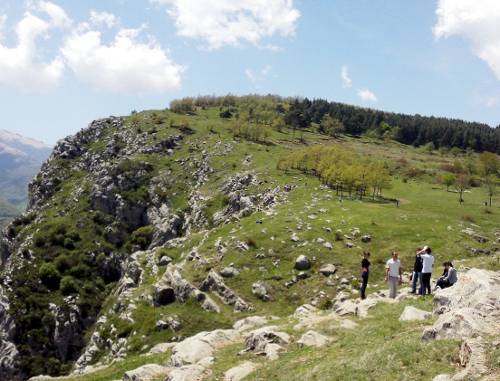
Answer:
(214, 283)
(468, 309)
(9, 356)
(183, 290)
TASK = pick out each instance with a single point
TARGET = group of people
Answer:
(422, 271)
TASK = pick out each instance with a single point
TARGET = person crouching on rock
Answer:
(449, 279)
(365, 264)
(393, 274)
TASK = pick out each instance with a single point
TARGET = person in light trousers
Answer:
(393, 274)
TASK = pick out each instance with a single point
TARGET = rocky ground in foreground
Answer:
(469, 311)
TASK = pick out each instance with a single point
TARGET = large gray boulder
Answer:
(312, 339)
(229, 272)
(260, 291)
(146, 372)
(411, 313)
(302, 263)
(258, 340)
(328, 270)
(200, 346)
(239, 372)
(195, 372)
(163, 294)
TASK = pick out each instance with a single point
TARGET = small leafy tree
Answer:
(429, 147)
(462, 183)
(491, 182)
(489, 164)
(331, 126)
(455, 151)
(448, 179)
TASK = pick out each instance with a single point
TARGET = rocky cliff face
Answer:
(120, 194)
(116, 188)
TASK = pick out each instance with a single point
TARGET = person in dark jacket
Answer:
(417, 274)
(449, 276)
(365, 271)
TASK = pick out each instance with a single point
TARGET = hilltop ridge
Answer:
(153, 227)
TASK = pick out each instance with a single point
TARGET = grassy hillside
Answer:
(427, 214)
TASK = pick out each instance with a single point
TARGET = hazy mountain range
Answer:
(20, 160)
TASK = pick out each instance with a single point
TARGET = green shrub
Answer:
(65, 262)
(69, 244)
(49, 276)
(39, 240)
(251, 243)
(68, 285)
(468, 218)
(123, 328)
(143, 236)
(325, 304)
(81, 271)
(354, 284)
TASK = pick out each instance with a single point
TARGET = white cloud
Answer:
(345, 77)
(126, 66)
(228, 22)
(103, 18)
(22, 66)
(58, 17)
(366, 95)
(267, 70)
(249, 74)
(3, 20)
(490, 101)
(475, 20)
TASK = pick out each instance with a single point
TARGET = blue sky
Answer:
(64, 63)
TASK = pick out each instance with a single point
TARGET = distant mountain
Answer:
(20, 160)
(7, 213)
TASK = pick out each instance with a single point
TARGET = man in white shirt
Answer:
(393, 274)
(428, 264)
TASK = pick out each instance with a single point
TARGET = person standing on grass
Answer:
(417, 274)
(393, 274)
(365, 271)
(428, 264)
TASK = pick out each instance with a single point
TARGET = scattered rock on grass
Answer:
(302, 263)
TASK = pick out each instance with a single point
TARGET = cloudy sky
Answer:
(64, 63)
